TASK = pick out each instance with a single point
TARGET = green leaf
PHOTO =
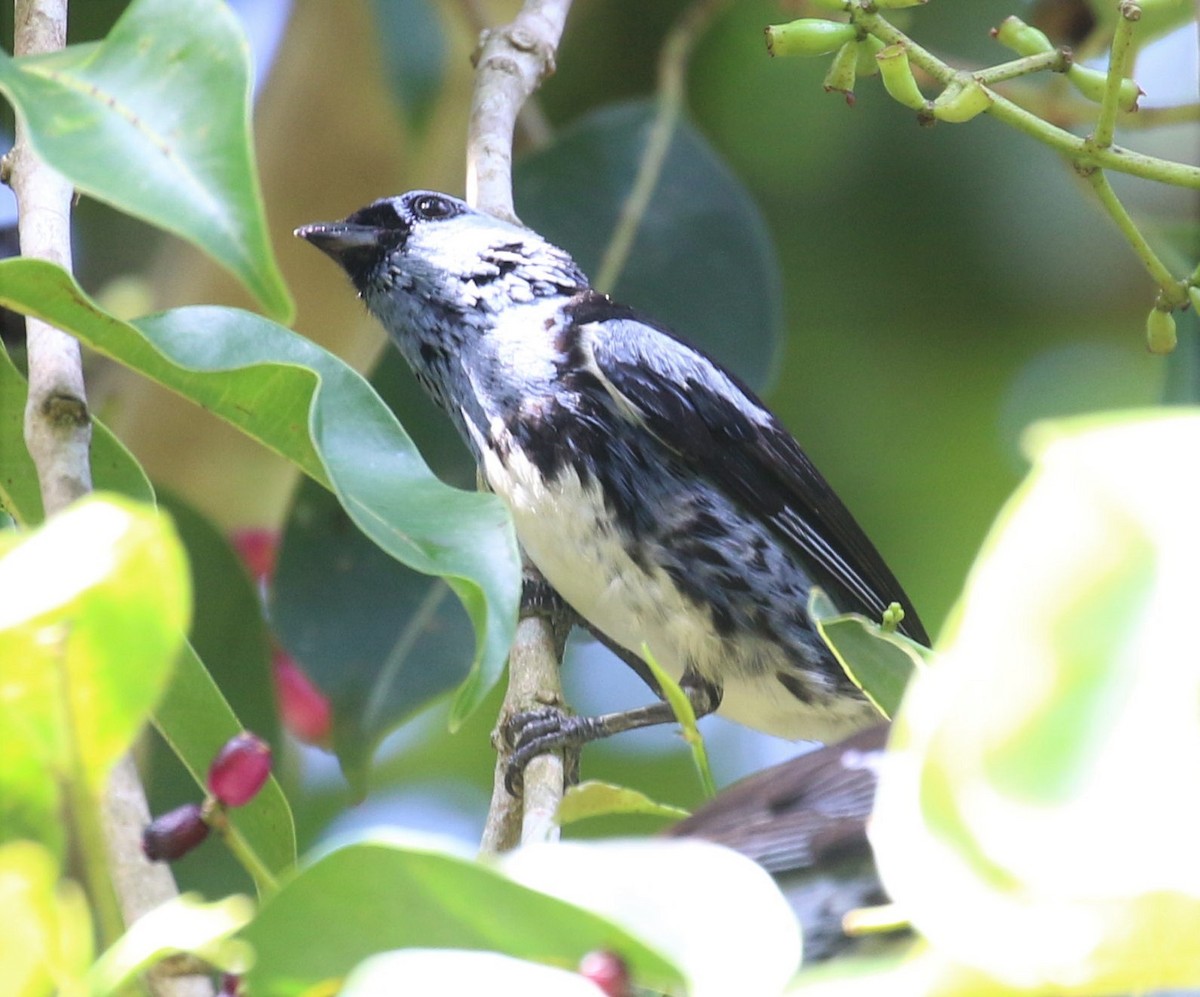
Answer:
(228, 631)
(722, 293)
(93, 607)
(457, 971)
(600, 799)
(716, 914)
(878, 662)
(414, 54)
(681, 706)
(45, 927)
(195, 720)
(387, 896)
(155, 120)
(20, 495)
(183, 924)
(307, 405)
(380, 641)
(1061, 712)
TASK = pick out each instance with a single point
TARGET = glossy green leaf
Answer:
(183, 924)
(601, 799)
(93, 608)
(45, 926)
(879, 663)
(414, 54)
(703, 261)
(155, 120)
(369, 898)
(308, 406)
(1060, 716)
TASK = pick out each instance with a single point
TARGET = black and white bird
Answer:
(654, 492)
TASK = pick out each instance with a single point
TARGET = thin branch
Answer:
(532, 129)
(512, 62)
(1173, 291)
(58, 428)
(533, 681)
(672, 80)
(58, 434)
(1120, 62)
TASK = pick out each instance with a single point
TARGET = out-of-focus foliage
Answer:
(1052, 736)
(94, 607)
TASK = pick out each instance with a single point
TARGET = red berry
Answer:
(240, 769)
(305, 711)
(608, 971)
(231, 986)
(173, 834)
(257, 547)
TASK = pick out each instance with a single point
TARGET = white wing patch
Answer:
(624, 404)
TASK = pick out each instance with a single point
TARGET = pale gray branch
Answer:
(511, 64)
(58, 427)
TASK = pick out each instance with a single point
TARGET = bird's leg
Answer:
(539, 599)
(551, 729)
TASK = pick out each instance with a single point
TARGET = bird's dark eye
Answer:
(431, 207)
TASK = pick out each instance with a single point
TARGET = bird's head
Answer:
(429, 252)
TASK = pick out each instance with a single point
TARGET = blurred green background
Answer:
(942, 288)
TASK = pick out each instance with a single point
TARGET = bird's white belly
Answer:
(568, 534)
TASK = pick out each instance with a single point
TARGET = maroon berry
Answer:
(240, 769)
(304, 710)
(231, 986)
(608, 971)
(172, 835)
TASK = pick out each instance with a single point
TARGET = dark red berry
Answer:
(608, 971)
(240, 769)
(172, 835)
(231, 986)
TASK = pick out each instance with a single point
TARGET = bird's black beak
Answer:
(340, 239)
(359, 249)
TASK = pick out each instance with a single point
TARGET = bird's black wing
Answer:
(715, 424)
